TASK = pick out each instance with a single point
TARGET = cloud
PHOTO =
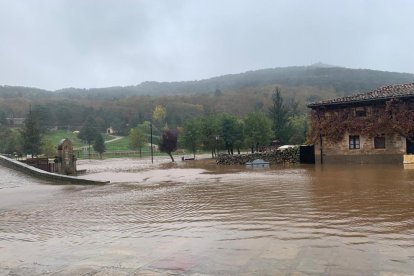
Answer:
(61, 43)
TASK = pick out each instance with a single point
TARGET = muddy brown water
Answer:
(330, 220)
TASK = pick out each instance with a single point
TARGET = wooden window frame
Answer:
(354, 142)
(379, 142)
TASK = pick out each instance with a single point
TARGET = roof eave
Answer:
(315, 105)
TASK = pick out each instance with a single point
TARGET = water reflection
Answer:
(228, 220)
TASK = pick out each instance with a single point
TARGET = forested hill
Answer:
(238, 95)
(343, 81)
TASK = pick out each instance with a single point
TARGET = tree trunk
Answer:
(172, 158)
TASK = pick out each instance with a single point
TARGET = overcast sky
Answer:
(54, 44)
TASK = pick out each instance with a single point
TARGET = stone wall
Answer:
(290, 155)
(395, 147)
(54, 178)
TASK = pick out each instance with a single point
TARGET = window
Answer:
(354, 142)
(379, 142)
(360, 112)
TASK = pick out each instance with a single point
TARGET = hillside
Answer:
(343, 80)
(238, 94)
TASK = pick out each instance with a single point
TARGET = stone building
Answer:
(373, 127)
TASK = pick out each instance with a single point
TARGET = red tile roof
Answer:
(382, 93)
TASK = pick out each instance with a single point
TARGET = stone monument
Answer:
(66, 160)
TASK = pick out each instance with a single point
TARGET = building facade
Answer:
(373, 127)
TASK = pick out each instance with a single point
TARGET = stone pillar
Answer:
(66, 160)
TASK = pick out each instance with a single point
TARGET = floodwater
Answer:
(194, 218)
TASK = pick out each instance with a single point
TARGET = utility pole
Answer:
(152, 151)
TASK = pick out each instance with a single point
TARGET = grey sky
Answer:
(54, 44)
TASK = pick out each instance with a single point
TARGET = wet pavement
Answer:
(194, 218)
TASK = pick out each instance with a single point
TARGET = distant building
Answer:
(110, 130)
(373, 127)
(15, 122)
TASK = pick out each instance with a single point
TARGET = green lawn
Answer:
(57, 135)
(123, 145)
(118, 145)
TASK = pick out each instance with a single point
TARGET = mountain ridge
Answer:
(345, 81)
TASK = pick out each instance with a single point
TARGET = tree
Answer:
(168, 143)
(279, 115)
(210, 133)
(191, 137)
(88, 132)
(119, 125)
(137, 139)
(11, 141)
(43, 117)
(240, 135)
(232, 132)
(99, 145)
(258, 130)
(145, 128)
(31, 136)
(3, 120)
(48, 148)
(297, 129)
(159, 113)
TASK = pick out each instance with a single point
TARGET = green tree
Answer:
(258, 130)
(231, 132)
(11, 141)
(210, 133)
(279, 115)
(3, 120)
(31, 136)
(145, 128)
(48, 148)
(119, 125)
(137, 139)
(240, 135)
(99, 145)
(168, 143)
(88, 133)
(297, 129)
(43, 117)
(190, 137)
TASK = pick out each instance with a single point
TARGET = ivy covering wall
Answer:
(385, 118)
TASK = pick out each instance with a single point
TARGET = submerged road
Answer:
(194, 218)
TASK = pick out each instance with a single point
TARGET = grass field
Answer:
(118, 145)
(113, 149)
(56, 136)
